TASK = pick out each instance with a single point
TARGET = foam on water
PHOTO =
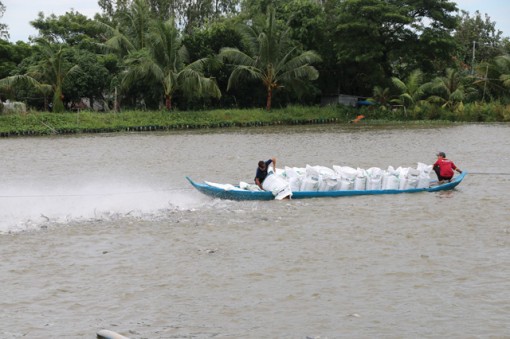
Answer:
(25, 209)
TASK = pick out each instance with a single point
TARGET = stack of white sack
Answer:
(316, 178)
(345, 178)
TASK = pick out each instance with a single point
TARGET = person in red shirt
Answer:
(444, 168)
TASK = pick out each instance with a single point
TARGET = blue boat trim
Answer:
(241, 194)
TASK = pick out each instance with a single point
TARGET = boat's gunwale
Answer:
(217, 192)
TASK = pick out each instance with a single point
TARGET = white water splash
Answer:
(24, 209)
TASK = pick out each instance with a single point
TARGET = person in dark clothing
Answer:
(444, 168)
(261, 174)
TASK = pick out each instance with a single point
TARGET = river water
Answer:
(104, 232)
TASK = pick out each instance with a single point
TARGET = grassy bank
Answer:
(38, 123)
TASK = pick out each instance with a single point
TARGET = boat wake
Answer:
(33, 209)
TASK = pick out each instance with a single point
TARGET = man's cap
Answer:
(441, 154)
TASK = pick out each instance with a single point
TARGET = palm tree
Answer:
(487, 78)
(503, 66)
(165, 60)
(411, 91)
(152, 51)
(128, 35)
(47, 75)
(452, 90)
(270, 58)
(130, 29)
(53, 70)
(11, 83)
(381, 96)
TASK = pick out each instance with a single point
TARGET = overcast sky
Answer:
(19, 13)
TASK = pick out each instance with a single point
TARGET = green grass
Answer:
(38, 123)
(43, 123)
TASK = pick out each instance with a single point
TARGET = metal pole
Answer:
(473, 61)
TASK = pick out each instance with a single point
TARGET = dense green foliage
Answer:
(413, 58)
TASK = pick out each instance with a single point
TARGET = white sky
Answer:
(19, 13)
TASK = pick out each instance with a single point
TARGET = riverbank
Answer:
(45, 123)
(37, 123)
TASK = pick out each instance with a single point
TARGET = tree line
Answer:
(205, 54)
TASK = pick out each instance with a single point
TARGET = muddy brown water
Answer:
(103, 232)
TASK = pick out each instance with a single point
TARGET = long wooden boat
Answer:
(231, 192)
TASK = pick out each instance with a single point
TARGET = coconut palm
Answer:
(127, 36)
(411, 91)
(503, 66)
(47, 75)
(451, 90)
(381, 96)
(10, 84)
(270, 58)
(487, 79)
(152, 51)
(53, 69)
(165, 60)
(130, 33)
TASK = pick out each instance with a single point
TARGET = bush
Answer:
(486, 112)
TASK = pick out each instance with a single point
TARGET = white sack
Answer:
(374, 179)
(226, 187)
(327, 178)
(345, 172)
(277, 185)
(424, 168)
(290, 172)
(346, 184)
(360, 182)
(295, 184)
(309, 184)
(409, 178)
(328, 184)
(311, 181)
(249, 187)
(390, 181)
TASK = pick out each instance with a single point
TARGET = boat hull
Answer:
(239, 194)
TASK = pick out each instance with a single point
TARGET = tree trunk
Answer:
(58, 105)
(269, 97)
(116, 105)
(168, 102)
